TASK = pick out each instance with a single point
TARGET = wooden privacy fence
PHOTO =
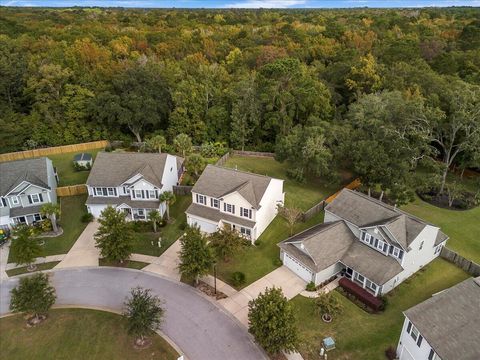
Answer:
(223, 159)
(72, 190)
(182, 190)
(27, 154)
(466, 265)
(253, 153)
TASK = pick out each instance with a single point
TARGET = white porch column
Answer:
(377, 289)
(364, 285)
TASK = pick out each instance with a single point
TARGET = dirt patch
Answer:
(210, 291)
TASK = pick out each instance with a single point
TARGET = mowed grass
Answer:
(76, 334)
(303, 196)
(463, 227)
(257, 261)
(146, 243)
(40, 267)
(65, 170)
(72, 209)
(129, 264)
(360, 335)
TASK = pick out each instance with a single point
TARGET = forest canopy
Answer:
(388, 85)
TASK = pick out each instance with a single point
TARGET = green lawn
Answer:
(130, 264)
(169, 234)
(300, 195)
(66, 172)
(73, 207)
(359, 335)
(76, 334)
(463, 227)
(257, 261)
(40, 267)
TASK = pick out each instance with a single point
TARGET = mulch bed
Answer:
(210, 291)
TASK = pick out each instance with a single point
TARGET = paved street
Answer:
(200, 328)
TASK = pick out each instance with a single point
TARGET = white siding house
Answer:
(230, 198)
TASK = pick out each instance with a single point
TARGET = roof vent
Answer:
(302, 246)
(375, 230)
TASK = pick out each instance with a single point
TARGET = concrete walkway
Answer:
(83, 252)
(165, 265)
(221, 286)
(39, 260)
(284, 278)
(4, 250)
(326, 289)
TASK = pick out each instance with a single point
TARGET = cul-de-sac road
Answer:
(200, 328)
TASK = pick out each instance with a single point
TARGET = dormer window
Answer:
(396, 252)
(35, 198)
(15, 200)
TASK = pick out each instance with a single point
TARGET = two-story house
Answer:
(131, 182)
(240, 200)
(373, 244)
(444, 327)
(25, 185)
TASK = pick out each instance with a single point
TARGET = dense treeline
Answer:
(380, 89)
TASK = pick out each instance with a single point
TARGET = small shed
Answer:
(84, 160)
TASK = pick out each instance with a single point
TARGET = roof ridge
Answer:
(242, 171)
(329, 225)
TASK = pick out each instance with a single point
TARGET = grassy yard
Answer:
(300, 195)
(66, 172)
(169, 234)
(359, 335)
(463, 227)
(130, 264)
(76, 334)
(257, 261)
(73, 207)
(40, 267)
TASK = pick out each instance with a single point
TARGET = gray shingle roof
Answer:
(21, 211)
(217, 182)
(115, 201)
(450, 321)
(113, 169)
(328, 243)
(12, 173)
(212, 214)
(365, 211)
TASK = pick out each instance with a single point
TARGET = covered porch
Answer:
(29, 219)
(246, 232)
(135, 214)
(362, 281)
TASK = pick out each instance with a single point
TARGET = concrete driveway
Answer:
(283, 278)
(201, 329)
(83, 252)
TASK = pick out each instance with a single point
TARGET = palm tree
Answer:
(155, 217)
(195, 163)
(51, 211)
(157, 142)
(169, 198)
(183, 143)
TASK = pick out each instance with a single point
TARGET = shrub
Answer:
(238, 278)
(108, 148)
(45, 225)
(391, 353)
(258, 242)
(277, 262)
(86, 218)
(327, 303)
(311, 286)
(141, 226)
(361, 294)
(182, 226)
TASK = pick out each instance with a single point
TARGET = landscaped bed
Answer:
(462, 227)
(76, 334)
(360, 335)
(303, 196)
(130, 264)
(72, 207)
(39, 267)
(257, 261)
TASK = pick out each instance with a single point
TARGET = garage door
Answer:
(298, 268)
(205, 226)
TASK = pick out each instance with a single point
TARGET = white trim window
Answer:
(201, 199)
(359, 277)
(229, 208)
(153, 194)
(111, 191)
(396, 252)
(3, 202)
(215, 203)
(414, 333)
(246, 232)
(438, 249)
(246, 212)
(15, 200)
(35, 198)
(37, 217)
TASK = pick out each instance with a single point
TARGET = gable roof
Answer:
(113, 169)
(82, 157)
(13, 173)
(328, 243)
(364, 211)
(217, 182)
(449, 321)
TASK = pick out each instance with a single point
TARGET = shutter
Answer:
(224, 207)
(430, 355)
(409, 327)
(233, 209)
(29, 199)
(391, 249)
(41, 197)
(250, 214)
(241, 211)
(419, 341)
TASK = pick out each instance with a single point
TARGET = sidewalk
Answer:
(165, 265)
(39, 260)
(83, 252)
(4, 250)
